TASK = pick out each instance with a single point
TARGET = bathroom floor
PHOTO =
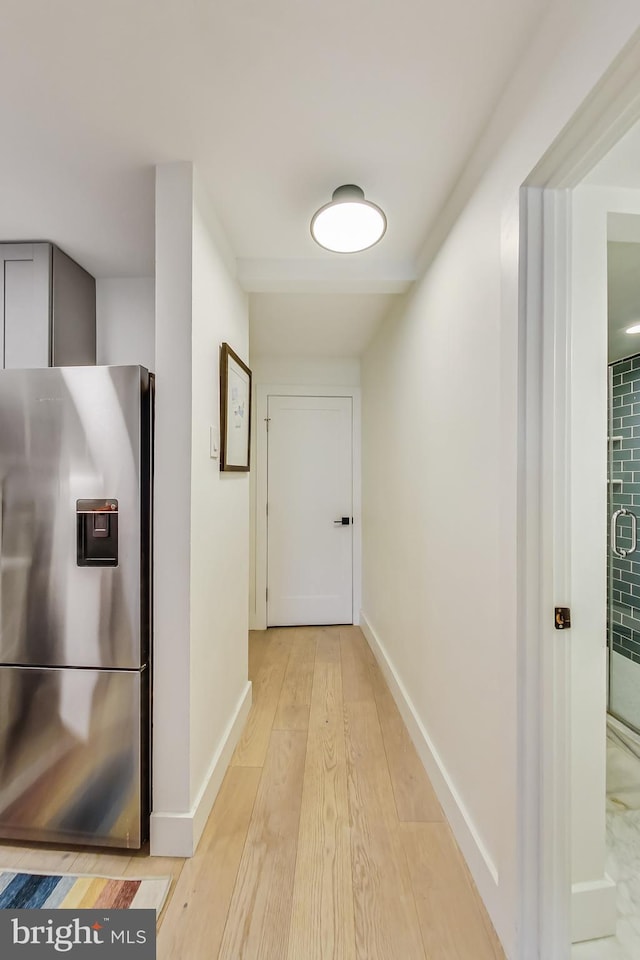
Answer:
(623, 852)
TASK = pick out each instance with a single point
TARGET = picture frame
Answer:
(235, 411)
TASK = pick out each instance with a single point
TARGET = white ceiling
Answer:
(276, 101)
(319, 325)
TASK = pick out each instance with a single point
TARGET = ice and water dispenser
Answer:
(97, 526)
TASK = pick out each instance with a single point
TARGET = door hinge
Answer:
(562, 618)
(267, 420)
(266, 509)
(266, 593)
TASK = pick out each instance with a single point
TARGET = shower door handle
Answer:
(622, 551)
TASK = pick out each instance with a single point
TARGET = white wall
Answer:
(589, 562)
(304, 371)
(125, 321)
(286, 371)
(219, 504)
(440, 446)
(172, 509)
(201, 692)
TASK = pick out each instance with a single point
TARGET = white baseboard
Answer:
(178, 834)
(593, 910)
(171, 835)
(483, 869)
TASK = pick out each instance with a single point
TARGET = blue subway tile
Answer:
(632, 646)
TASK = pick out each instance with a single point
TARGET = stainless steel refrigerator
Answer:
(76, 464)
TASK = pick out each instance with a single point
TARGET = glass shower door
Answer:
(623, 580)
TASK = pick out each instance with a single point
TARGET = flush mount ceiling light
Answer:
(634, 329)
(349, 223)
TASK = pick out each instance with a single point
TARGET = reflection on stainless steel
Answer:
(70, 755)
(74, 638)
(66, 434)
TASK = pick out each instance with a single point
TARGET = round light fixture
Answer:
(349, 223)
(634, 329)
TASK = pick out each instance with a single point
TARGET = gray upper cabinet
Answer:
(25, 302)
(47, 308)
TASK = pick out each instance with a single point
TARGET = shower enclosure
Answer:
(623, 574)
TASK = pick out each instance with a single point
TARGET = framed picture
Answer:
(235, 411)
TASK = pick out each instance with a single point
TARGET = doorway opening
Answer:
(580, 198)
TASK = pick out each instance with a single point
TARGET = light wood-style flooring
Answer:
(326, 841)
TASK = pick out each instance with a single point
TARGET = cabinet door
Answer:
(25, 304)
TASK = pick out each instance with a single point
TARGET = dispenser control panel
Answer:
(97, 533)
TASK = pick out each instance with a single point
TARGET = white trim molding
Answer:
(593, 909)
(178, 834)
(544, 853)
(258, 615)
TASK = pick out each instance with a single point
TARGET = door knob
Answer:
(343, 521)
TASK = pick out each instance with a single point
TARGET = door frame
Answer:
(258, 615)
(544, 551)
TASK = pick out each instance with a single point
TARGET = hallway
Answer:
(326, 840)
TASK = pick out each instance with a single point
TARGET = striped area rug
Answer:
(76, 892)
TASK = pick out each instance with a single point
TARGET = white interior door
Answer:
(309, 510)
